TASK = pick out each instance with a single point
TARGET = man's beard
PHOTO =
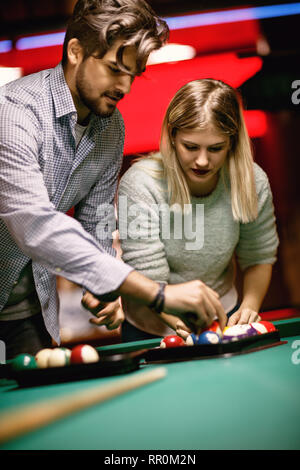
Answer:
(94, 105)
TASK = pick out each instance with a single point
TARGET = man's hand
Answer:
(109, 314)
(199, 304)
(179, 327)
(243, 315)
(182, 330)
(196, 304)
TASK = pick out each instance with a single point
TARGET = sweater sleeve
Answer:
(258, 240)
(139, 224)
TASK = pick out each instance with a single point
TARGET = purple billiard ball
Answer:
(237, 332)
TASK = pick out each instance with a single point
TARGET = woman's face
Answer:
(201, 154)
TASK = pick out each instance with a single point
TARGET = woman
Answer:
(192, 210)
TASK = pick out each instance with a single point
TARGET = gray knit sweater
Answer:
(166, 245)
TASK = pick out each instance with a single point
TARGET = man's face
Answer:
(100, 84)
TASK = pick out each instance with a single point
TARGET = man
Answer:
(61, 144)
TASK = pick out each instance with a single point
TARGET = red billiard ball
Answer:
(215, 326)
(172, 341)
(268, 325)
(263, 327)
(84, 353)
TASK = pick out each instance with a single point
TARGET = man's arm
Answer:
(44, 234)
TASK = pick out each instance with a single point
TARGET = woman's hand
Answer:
(109, 314)
(243, 315)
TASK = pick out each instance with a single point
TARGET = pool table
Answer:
(236, 401)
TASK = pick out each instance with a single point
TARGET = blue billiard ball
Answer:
(209, 337)
(192, 339)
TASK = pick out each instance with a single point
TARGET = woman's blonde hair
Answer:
(198, 105)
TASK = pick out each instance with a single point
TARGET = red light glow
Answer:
(144, 108)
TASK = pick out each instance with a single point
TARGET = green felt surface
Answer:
(248, 401)
(129, 347)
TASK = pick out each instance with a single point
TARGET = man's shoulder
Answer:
(117, 119)
(24, 90)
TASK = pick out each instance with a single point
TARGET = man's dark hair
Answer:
(97, 24)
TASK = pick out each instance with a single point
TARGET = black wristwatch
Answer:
(158, 303)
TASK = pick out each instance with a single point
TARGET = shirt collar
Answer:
(63, 101)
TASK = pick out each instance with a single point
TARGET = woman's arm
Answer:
(256, 281)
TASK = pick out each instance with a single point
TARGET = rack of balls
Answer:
(214, 334)
(85, 354)
(56, 357)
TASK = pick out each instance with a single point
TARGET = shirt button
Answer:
(58, 270)
(15, 283)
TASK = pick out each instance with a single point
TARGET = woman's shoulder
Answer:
(150, 162)
(261, 178)
(147, 170)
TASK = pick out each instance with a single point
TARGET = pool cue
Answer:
(28, 418)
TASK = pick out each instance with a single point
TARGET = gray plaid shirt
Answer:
(42, 176)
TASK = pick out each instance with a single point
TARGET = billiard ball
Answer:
(191, 340)
(237, 332)
(215, 326)
(209, 337)
(59, 357)
(268, 325)
(23, 362)
(83, 354)
(261, 329)
(68, 354)
(42, 358)
(172, 341)
(206, 337)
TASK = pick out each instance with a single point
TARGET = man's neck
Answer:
(83, 113)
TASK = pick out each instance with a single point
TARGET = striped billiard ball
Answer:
(237, 332)
(206, 337)
(84, 354)
(23, 362)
